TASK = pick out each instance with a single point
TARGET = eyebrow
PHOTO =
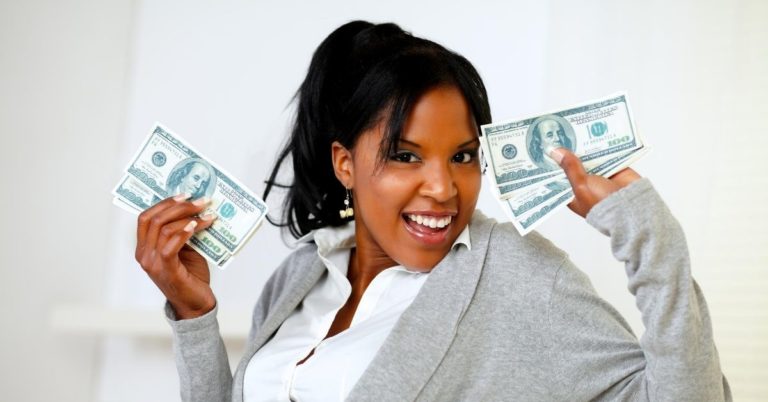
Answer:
(462, 145)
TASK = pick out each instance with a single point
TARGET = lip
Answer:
(431, 213)
(424, 235)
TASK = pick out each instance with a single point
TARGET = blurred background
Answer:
(83, 81)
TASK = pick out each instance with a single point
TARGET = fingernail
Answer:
(201, 201)
(182, 197)
(209, 216)
(557, 154)
(190, 226)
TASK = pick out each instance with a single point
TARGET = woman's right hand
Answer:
(177, 270)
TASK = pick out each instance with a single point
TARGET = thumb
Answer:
(571, 164)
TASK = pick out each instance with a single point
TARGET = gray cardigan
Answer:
(510, 319)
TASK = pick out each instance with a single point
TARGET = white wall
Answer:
(697, 72)
(62, 83)
(88, 79)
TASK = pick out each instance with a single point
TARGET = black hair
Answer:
(360, 75)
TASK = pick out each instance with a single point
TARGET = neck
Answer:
(366, 261)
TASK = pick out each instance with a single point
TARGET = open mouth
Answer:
(428, 229)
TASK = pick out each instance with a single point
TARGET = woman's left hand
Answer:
(588, 189)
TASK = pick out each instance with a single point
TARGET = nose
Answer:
(438, 183)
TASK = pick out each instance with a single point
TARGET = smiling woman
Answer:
(416, 295)
(411, 208)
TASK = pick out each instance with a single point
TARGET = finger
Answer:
(145, 219)
(170, 232)
(171, 246)
(175, 212)
(624, 177)
(170, 229)
(573, 168)
(170, 250)
(180, 211)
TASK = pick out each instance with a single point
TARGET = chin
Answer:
(427, 246)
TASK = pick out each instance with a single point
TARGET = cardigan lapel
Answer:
(283, 307)
(421, 337)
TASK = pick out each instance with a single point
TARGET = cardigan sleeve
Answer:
(201, 358)
(597, 356)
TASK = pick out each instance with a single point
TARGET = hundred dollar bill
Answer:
(134, 194)
(631, 159)
(202, 242)
(596, 132)
(135, 197)
(165, 165)
(530, 207)
(533, 217)
(533, 198)
(208, 247)
(606, 168)
(126, 206)
(529, 185)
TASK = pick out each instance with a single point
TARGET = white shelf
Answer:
(100, 320)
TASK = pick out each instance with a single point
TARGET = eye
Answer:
(405, 157)
(465, 156)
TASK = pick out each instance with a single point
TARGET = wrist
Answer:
(182, 312)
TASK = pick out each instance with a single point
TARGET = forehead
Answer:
(442, 114)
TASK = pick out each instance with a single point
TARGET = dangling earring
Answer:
(348, 211)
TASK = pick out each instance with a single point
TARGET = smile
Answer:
(430, 221)
(428, 229)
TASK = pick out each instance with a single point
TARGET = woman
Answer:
(404, 291)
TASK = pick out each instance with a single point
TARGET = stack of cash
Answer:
(164, 166)
(529, 184)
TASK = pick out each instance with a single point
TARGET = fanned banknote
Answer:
(528, 183)
(164, 166)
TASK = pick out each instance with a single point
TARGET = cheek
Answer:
(469, 189)
(386, 194)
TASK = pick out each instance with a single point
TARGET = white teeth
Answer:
(431, 221)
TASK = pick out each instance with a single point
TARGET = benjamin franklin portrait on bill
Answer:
(550, 131)
(193, 176)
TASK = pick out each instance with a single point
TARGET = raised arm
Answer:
(183, 277)
(676, 358)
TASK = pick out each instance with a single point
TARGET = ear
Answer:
(343, 165)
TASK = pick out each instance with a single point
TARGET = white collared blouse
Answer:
(338, 362)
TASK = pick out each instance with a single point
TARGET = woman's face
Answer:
(414, 207)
